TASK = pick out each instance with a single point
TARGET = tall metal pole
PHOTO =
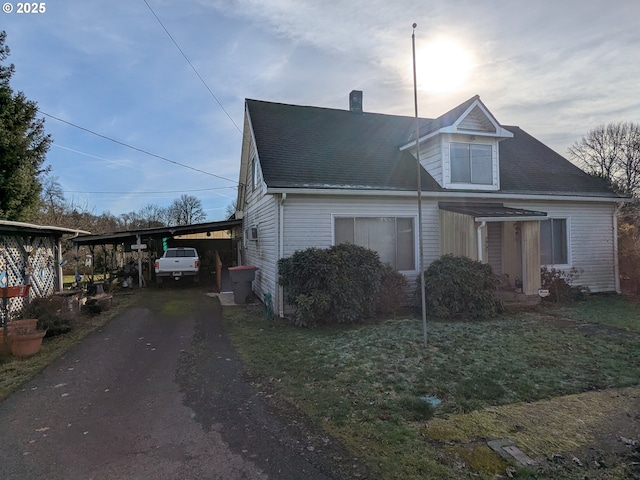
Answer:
(419, 181)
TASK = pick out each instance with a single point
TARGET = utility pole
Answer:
(419, 188)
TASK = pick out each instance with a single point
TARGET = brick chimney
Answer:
(355, 101)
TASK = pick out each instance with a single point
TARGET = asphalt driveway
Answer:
(158, 393)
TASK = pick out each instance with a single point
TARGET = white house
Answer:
(315, 177)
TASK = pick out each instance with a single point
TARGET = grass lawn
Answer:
(618, 312)
(527, 377)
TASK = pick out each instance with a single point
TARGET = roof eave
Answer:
(33, 226)
(572, 197)
(523, 218)
(500, 133)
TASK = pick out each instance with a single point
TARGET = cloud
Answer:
(555, 68)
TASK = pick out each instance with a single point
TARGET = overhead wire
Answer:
(193, 68)
(145, 151)
(134, 148)
(151, 192)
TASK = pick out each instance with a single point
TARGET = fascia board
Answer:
(33, 226)
(440, 195)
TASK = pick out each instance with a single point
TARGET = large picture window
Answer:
(553, 242)
(391, 237)
(471, 163)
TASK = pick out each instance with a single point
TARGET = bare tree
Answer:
(105, 223)
(612, 152)
(186, 210)
(152, 215)
(52, 203)
(79, 214)
(231, 209)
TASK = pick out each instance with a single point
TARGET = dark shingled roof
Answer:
(322, 148)
(311, 147)
(529, 166)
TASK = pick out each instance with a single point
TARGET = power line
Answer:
(193, 68)
(134, 148)
(147, 193)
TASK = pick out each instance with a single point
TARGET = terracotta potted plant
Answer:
(26, 325)
(13, 327)
(25, 340)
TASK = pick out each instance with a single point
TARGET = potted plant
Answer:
(15, 327)
(24, 339)
(7, 326)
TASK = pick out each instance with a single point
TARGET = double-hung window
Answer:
(254, 172)
(553, 242)
(471, 163)
(391, 237)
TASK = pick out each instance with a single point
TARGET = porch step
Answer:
(515, 299)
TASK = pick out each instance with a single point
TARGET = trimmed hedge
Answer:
(339, 285)
(458, 287)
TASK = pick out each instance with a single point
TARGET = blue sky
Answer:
(554, 68)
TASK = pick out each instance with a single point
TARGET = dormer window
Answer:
(471, 163)
(460, 149)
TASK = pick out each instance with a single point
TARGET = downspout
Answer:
(280, 299)
(616, 262)
(479, 238)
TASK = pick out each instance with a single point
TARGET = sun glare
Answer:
(442, 66)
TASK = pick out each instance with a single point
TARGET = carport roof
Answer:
(8, 227)
(158, 232)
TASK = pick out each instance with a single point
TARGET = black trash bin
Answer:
(241, 278)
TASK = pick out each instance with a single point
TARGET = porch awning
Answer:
(492, 212)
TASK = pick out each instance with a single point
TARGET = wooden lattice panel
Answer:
(27, 260)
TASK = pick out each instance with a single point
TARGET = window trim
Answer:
(414, 219)
(447, 167)
(567, 220)
(469, 147)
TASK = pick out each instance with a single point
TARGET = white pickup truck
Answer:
(177, 263)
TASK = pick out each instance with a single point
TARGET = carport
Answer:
(153, 241)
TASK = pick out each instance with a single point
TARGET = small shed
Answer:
(31, 255)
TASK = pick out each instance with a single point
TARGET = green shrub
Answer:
(52, 314)
(559, 283)
(393, 292)
(458, 287)
(335, 285)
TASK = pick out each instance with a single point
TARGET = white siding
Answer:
(477, 121)
(591, 239)
(431, 158)
(308, 221)
(261, 212)
(263, 252)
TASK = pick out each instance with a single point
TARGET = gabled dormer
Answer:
(460, 149)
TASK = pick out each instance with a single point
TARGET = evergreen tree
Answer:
(23, 148)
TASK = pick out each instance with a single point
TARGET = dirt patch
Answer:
(565, 323)
(594, 434)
